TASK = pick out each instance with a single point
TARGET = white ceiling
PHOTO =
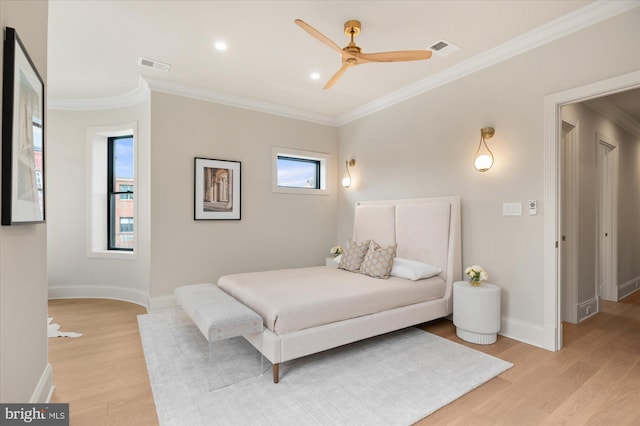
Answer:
(94, 46)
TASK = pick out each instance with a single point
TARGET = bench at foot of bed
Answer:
(223, 320)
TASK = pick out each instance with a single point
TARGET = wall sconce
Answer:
(483, 160)
(346, 179)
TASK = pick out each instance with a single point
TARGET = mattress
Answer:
(296, 299)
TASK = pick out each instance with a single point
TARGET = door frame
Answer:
(552, 326)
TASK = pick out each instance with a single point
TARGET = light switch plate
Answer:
(512, 209)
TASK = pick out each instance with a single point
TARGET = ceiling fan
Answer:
(352, 54)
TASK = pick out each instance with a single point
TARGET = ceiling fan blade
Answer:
(318, 35)
(396, 56)
(337, 75)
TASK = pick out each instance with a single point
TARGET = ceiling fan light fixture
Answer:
(314, 76)
(352, 55)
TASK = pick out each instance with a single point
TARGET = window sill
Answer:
(113, 254)
(305, 191)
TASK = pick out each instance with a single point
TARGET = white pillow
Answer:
(412, 269)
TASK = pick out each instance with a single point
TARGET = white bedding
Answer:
(296, 299)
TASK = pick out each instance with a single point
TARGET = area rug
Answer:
(393, 379)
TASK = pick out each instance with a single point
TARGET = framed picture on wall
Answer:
(217, 189)
(22, 136)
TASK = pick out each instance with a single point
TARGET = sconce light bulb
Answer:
(346, 181)
(483, 162)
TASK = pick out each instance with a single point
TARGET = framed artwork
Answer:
(217, 189)
(23, 186)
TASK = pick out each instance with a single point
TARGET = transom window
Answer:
(296, 172)
(300, 172)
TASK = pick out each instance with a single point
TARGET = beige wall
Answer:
(589, 123)
(424, 147)
(24, 372)
(276, 231)
(72, 272)
(628, 208)
(421, 147)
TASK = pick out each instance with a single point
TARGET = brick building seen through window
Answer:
(121, 199)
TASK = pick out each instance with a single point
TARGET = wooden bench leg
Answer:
(276, 373)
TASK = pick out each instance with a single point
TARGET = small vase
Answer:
(475, 283)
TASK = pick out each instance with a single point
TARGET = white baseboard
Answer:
(629, 287)
(132, 295)
(526, 332)
(44, 389)
(162, 303)
(531, 334)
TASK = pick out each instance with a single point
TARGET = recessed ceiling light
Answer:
(314, 76)
(220, 45)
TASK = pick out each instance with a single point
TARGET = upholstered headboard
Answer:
(425, 229)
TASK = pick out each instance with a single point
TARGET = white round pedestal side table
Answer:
(476, 312)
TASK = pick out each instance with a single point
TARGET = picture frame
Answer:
(217, 185)
(23, 188)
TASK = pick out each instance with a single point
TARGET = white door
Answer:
(607, 213)
(569, 221)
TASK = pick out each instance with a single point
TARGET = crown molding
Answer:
(611, 111)
(591, 14)
(132, 97)
(238, 101)
(561, 27)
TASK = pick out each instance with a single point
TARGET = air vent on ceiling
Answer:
(157, 65)
(444, 48)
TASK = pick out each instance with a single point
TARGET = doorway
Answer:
(553, 298)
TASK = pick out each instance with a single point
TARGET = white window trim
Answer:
(97, 245)
(324, 160)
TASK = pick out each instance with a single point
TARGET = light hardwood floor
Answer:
(103, 374)
(593, 380)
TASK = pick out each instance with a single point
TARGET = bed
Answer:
(309, 310)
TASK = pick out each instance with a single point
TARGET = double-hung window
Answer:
(120, 193)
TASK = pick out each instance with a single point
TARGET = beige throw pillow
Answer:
(353, 255)
(378, 261)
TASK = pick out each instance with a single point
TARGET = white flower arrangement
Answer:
(336, 251)
(476, 274)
